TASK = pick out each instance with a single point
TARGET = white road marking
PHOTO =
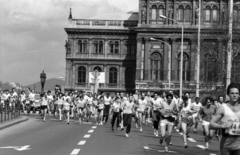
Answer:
(75, 151)
(87, 122)
(213, 154)
(192, 140)
(90, 131)
(177, 130)
(180, 133)
(18, 148)
(82, 142)
(202, 147)
(147, 148)
(86, 136)
(94, 127)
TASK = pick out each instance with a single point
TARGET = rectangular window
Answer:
(180, 14)
(154, 14)
(215, 15)
(207, 15)
(187, 15)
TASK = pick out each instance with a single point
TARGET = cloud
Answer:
(33, 36)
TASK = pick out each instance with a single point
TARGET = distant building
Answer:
(120, 45)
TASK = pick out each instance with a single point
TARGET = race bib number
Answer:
(168, 112)
(234, 130)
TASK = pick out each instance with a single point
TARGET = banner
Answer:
(100, 77)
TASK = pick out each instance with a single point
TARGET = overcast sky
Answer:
(32, 35)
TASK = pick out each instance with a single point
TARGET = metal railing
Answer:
(8, 112)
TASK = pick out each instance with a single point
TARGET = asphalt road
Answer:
(35, 137)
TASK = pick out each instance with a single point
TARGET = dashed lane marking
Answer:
(192, 140)
(75, 151)
(86, 136)
(202, 147)
(82, 142)
(147, 148)
(94, 127)
(90, 131)
(213, 154)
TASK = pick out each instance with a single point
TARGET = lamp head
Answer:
(153, 39)
(43, 77)
(162, 16)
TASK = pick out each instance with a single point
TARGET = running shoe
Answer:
(207, 146)
(126, 135)
(166, 149)
(122, 129)
(136, 125)
(140, 129)
(195, 131)
(161, 140)
(68, 123)
(185, 145)
(170, 143)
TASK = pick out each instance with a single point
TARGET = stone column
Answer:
(67, 78)
(70, 73)
(148, 9)
(174, 60)
(167, 8)
(194, 12)
(73, 75)
(146, 57)
(174, 11)
(121, 76)
(121, 48)
(165, 59)
(90, 48)
(105, 48)
(139, 59)
(193, 61)
(140, 13)
(75, 47)
(220, 13)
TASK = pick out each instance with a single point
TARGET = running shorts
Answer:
(205, 123)
(165, 122)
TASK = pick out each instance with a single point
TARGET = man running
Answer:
(196, 106)
(229, 116)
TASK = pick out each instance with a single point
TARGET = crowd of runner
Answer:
(165, 112)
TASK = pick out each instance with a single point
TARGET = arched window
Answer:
(180, 13)
(98, 47)
(156, 66)
(187, 14)
(154, 12)
(208, 13)
(215, 14)
(113, 75)
(186, 67)
(161, 11)
(99, 69)
(81, 74)
(209, 68)
(114, 47)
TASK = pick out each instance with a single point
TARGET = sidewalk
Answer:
(13, 122)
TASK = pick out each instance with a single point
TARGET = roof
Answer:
(132, 16)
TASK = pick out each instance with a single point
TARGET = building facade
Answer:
(134, 49)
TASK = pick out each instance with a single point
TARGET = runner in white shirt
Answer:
(23, 100)
(31, 97)
(127, 114)
(44, 105)
(116, 108)
(66, 108)
(107, 103)
(80, 108)
(100, 108)
(142, 103)
(156, 102)
(167, 109)
(196, 106)
(60, 105)
(50, 102)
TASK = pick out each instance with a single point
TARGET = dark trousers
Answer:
(114, 117)
(156, 119)
(106, 113)
(127, 120)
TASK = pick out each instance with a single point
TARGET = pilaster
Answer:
(90, 48)
(194, 12)
(120, 77)
(165, 59)
(174, 60)
(121, 47)
(146, 57)
(140, 13)
(139, 59)
(89, 69)
(167, 9)
(73, 75)
(220, 13)
(105, 48)
(106, 75)
(174, 11)
(193, 56)
(148, 9)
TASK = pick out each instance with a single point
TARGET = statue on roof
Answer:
(68, 46)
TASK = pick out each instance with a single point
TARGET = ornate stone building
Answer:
(121, 46)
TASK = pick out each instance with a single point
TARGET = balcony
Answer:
(102, 24)
(103, 56)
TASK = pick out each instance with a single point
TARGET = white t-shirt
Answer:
(6, 96)
(142, 105)
(31, 96)
(50, 98)
(156, 103)
(107, 100)
(44, 101)
(23, 97)
(127, 107)
(66, 97)
(116, 106)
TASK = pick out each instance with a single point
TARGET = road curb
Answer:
(14, 122)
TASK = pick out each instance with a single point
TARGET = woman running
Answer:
(115, 108)
(196, 106)
(60, 105)
(100, 107)
(127, 114)
(107, 103)
(187, 119)
(142, 102)
(44, 105)
(205, 114)
(229, 116)
(167, 109)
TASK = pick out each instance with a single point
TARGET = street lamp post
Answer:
(42, 80)
(181, 66)
(169, 59)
